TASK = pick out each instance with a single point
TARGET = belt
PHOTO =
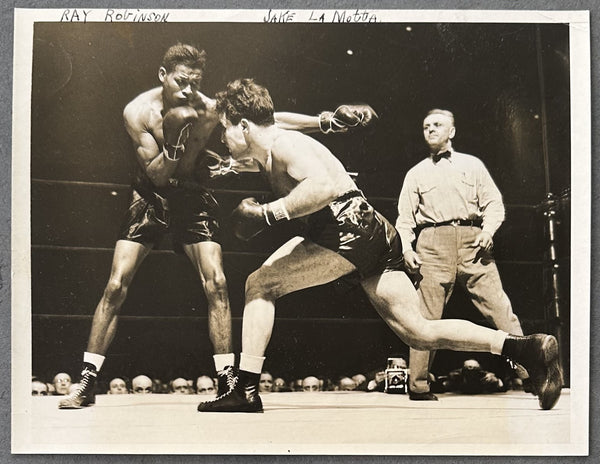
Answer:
(453, 222)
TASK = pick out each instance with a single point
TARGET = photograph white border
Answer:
(579, 27)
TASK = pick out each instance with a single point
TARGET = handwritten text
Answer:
(136, 16)
(279, 16)
(343, 16)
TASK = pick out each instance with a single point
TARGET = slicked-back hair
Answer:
(184, 54)
(447, 113)
(246, 99)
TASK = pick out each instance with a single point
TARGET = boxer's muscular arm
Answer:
(311, 194)
(343, 118)
(314, 190)
(316, 187)
(315, 178)
(148, 153)
(299, 122)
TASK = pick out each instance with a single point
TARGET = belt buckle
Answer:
(455, 222)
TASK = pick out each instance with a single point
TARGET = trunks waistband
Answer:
(348, 195)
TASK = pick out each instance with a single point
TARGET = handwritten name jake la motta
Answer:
(79, 15)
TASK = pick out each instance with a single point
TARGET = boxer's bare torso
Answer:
(143, 120)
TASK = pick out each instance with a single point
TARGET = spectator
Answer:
(310, 384)
(471, 379)
(375, 382)
(205, 385)
(326, 384)
(265, 384)
(179, 386)
(117, 386)
(376, 379)
(346, 384)
(279, 385)
(296, 385)
(359, 379)
(397, 363)
(39, 388)
(158, 386)
(61, 382)
(141, 385)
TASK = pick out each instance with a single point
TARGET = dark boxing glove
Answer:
(250, 217)
(176, 130)
(345, 117)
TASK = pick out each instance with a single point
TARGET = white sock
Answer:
(498, 342)
(223, 360)
(250, 363)
(96, 359)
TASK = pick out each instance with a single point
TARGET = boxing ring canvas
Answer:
(519, 85)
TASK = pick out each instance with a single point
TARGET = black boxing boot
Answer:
(538, 354)
(84, 395)
(225, 380)
(243, 397)
(515, 376)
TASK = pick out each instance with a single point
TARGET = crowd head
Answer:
(310, 384)
(62, 383)
(117, 386)
(141, 385)
(179, 386)
(205, 385)
(39, 388)
(265, 384)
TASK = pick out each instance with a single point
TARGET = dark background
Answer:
(508, 85)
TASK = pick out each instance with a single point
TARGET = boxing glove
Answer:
(250, 217)
(345, 117)
(176, 130)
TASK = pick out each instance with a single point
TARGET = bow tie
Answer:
(439, 156)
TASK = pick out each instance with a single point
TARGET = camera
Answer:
(396, 376)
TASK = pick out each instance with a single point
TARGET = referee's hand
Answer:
(484, 241)
(412, 261)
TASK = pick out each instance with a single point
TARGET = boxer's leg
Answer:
(126, 260)
(207, 259)
(396, 301)
(128, 256)
(298, 264)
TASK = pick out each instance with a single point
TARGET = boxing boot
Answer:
(538, 354)
(225, 380)
(84, 395)
(515, 376)
(243, 397)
